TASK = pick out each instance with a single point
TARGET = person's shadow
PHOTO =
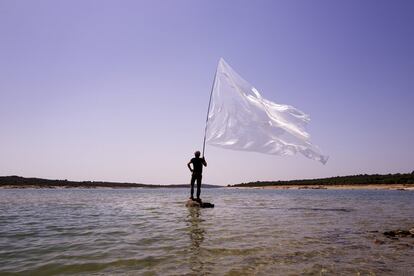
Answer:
(196, 233)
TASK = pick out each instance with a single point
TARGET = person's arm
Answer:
(204, 162)
(188, 165)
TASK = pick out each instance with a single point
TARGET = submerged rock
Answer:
(378, 241)
(207, 205)
(393, 234)
(193, 203)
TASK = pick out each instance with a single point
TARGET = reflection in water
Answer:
(196, 233)
(252, 232)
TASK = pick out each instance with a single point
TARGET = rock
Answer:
(207, 205)
(377, 241)
(398, 233)
(389, 233)
(403, 233)
(193, 203)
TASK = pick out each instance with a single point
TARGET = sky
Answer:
(118, 90)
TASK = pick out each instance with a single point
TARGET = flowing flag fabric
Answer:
(241, 119)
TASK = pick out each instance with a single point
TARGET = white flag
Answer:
(240, 119)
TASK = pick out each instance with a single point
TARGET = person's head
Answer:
(197, 154)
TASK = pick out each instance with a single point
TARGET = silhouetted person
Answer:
(197, 172)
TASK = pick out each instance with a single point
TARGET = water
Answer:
(249, 232)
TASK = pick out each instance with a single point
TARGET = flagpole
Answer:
(208, 112)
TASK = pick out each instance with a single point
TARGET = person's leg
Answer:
(198, 186)
(192, 186)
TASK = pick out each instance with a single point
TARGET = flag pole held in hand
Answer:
(208, 112)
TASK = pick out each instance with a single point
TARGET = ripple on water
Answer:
(262, 232)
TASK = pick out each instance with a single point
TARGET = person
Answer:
(197, 172)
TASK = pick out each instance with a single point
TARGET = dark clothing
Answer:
(198, 165)
(194, 178)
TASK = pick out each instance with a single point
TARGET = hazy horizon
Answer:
(118, 90)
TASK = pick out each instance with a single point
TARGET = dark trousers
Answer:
(194, 178)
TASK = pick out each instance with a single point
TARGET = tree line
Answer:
(398, 178)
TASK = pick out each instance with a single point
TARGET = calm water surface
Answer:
(249, 232)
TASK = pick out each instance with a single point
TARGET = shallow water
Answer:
(249, 232)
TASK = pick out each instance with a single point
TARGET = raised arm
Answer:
(204, 162)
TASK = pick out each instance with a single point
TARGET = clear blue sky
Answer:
(118, 90)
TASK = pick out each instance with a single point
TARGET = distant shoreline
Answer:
(404, 187)
(353, 182)
(18, 182)
(397, 181)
